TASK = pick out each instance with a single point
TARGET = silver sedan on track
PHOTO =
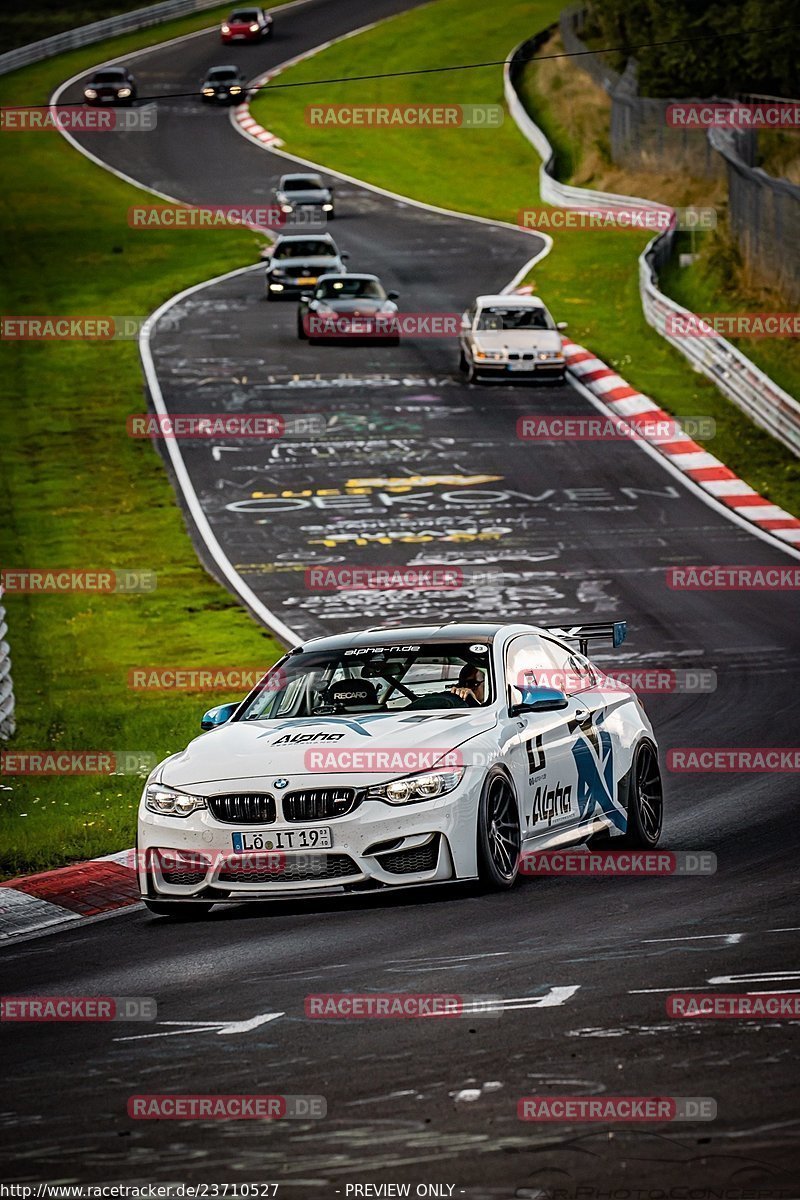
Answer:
(510, 337)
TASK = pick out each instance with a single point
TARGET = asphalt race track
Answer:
(415, 467)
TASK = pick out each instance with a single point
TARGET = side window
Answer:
(573, 672)
(527, 662)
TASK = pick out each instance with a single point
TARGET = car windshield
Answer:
(343, 289)
(109, 76)
(514, 318)
(244, 15)
(309, 249)
(305, 183)
(375, 679)
(223, 73)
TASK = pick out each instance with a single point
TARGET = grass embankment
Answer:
(590, 278)
(576, 114)
(78, 492)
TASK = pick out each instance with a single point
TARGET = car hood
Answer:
(329, 262)
(265, 750)
(517, 339)
(361, 305)
(312, 196)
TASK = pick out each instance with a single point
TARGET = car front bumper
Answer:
(377, 844)
(522, 369)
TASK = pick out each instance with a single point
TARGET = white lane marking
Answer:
(239, 587)
(222, 1028)
(553, 997)
(704, 987)
(666, 463)
(731, 938)
(756, 977)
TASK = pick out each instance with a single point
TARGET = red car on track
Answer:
(246, 25)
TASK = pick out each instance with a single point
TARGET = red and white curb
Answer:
(706, 471)
(251, 126)
(35, 903)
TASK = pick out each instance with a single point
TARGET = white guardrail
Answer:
(85, 35)
(734, 374)
(6, 688)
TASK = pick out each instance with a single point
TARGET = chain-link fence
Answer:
(641, 139)
(764, 212)
(764, 217)
(6, 687)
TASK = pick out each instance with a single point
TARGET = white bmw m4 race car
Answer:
(397, 757)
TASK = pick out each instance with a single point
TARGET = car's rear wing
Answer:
(601, 631)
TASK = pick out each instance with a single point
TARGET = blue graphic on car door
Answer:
(593, 752)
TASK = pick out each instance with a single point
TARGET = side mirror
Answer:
(562, 324)
(344, 255)
(536, 700)
(219, 715)
(465, 321)
(305, 298)
(393, 295)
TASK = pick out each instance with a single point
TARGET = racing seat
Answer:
(352, 693)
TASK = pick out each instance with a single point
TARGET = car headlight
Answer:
(226, 28)
(124, 91)
(490, 355)
(327, 208)
(414, 788)
(254, 28)
(286, 208)
(90, 93)
(158, 798)
(208, 91)
(550, 354)
(235, 90)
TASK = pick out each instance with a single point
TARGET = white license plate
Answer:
(520, 366)
(308, 838)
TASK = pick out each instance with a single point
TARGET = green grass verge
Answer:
(77, 492)
(589, 279)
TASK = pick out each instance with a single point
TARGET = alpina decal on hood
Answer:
(301, 725)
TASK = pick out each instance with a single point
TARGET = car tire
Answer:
(498, 832)
(468, 369)
(644, 800)
(179, 910)
(331, 214)
(301, 333)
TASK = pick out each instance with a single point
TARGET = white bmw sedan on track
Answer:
(392, 757)
(511, 337)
